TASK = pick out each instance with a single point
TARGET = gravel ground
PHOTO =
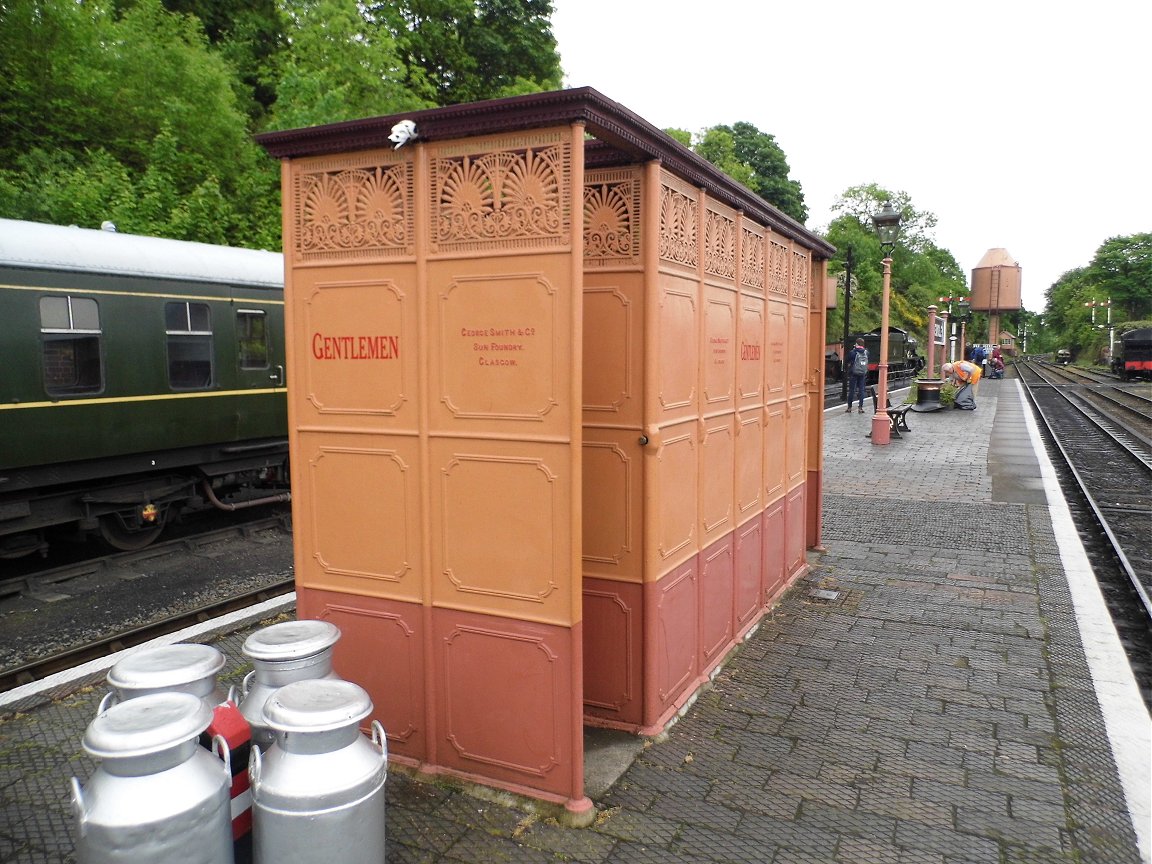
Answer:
(138, 591)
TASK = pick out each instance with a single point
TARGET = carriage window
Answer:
(189, 331)
(70, 330)
(252, 334)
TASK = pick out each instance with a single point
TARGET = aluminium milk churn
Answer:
(157, 796)
(318, 791)
(184, 667)
(281, 654)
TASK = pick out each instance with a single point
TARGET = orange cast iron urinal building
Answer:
(555, 417)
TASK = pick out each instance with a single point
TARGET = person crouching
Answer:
(966, 376)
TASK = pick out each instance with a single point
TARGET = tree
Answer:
(754, 158)
(339, 67)
(457, 51)
(921, 270)
(1121, 271)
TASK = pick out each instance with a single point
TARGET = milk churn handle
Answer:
(78, 807)
(107, 701)
(220, 748)
(379, 739)
(233, 695)
(246, 684)
(254, 763)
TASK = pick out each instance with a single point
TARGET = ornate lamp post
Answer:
(887, 223)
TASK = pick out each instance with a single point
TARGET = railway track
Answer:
(1106, 463)
(57, 618)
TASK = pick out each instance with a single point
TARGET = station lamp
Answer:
(887, 224)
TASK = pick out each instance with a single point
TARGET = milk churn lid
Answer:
(290, 640)
(166, 666)
(316, 705)
(149, 724)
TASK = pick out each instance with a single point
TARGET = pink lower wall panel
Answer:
(505, 706)
(671, 627)
(717, 575)
(613, 656)
(795, 525)
(479, 696)
(746, 594)
(774, 570)
(381, 648)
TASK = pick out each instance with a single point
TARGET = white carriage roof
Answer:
(35, 245)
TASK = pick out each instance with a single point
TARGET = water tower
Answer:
(996, 288)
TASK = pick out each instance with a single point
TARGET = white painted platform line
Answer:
(261, 610)
(1125, 717)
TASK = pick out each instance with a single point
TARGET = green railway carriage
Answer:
(137, 376)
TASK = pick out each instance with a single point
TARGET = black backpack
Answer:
(860, 363)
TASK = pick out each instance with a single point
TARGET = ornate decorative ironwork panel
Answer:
(719, 244)
(509, 193)
(777, 268)
(752, 258)
(345, 211)
(612, 217)
(799, 275)
(678, 220)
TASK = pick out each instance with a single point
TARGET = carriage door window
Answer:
(70, 329)
(252, 335)
(189, 331)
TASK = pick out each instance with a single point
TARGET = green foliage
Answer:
(456, 51)
(922, 272)
(1120, 272)
(753, 158)
(340, 67)
(142, 111)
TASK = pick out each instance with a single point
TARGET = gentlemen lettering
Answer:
(355, 347)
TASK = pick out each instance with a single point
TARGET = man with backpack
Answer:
(856, 365)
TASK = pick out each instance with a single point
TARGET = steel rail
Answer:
(1097, 511)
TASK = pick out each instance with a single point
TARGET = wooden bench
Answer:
(898, 417)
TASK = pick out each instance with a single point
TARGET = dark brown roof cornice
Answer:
(610, 122)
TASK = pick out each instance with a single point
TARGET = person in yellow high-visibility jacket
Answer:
(967, 375)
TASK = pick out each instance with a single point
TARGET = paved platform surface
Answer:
(940, 710)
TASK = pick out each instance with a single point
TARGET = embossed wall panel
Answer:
(613, 636)
(673, 462)
(717, 477)
(613, 505)
(671, 633)
(677, 349)
(504, 710)
(746, 592)
(613, 349)
(776, 368)
(381, 648)
(775, 566)
(752, 333)
(362, 530)
(749, 464)
(775, 451)
(717, 576)
(500, 357)
(354, 348)
(798, 371)
(720, 349)
(500, 528)
(797, 441)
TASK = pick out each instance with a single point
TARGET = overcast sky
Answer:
(1021, 125)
